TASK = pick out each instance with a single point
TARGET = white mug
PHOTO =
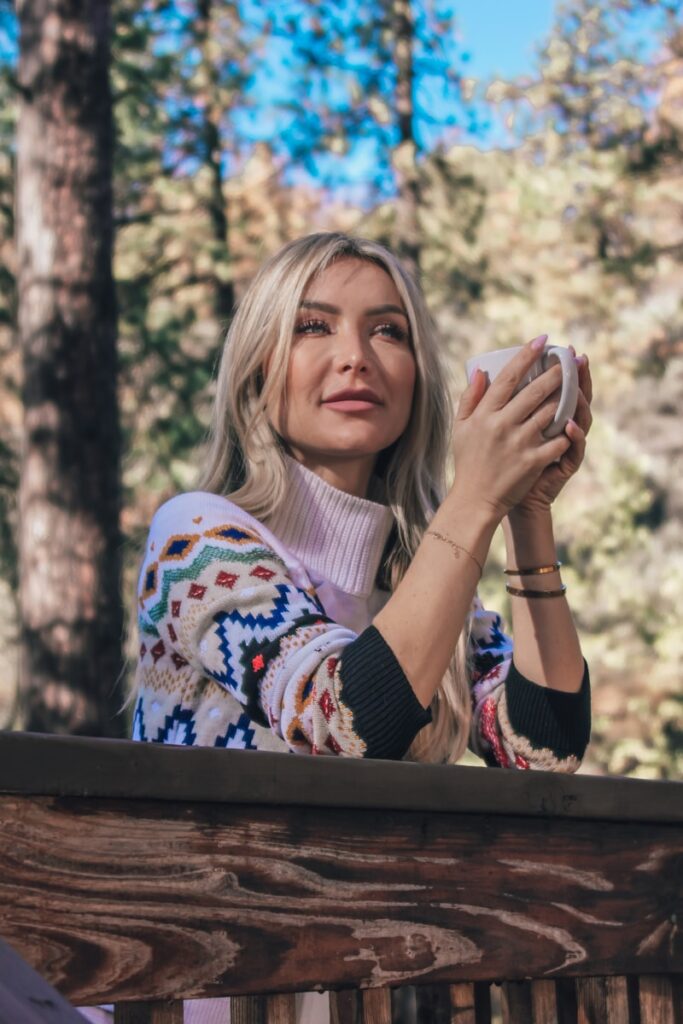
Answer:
(493, 362)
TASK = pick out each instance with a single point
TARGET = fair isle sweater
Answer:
(260, 638)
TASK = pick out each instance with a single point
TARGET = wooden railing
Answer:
(144, 875)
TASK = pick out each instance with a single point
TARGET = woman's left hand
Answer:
(555, 476)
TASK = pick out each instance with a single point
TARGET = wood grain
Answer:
(544, 1002)
(516, 1002)
(33, 763)
(188, 900)
(591, 997)
(248, 1010)
(463, 1004)
(345, 1007)
(621, 1008)
(281, 1009)
(376, 1006)
(658, 998)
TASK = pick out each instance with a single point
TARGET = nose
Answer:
(352, 351)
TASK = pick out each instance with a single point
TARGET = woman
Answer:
(318, 593)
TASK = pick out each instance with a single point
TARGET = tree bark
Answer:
(69, 498)
(405, 156)
(212, 155)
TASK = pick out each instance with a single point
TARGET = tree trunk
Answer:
(69, 498)
(212, 154)
(405, 156)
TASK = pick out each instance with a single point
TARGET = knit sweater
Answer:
(259, 637)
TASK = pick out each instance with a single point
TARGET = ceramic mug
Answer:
(493, 362)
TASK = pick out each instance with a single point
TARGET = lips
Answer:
(365, 396)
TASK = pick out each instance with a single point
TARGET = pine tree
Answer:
(69, 491)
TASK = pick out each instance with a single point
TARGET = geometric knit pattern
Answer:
(237, 651)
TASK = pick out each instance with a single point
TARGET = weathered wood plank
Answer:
(658, 999)
(516, 1002)
(188, 900)
(280, 1009)
(248, 1010)
(376, 1006)
(620, 1003)
(463, 1004)
(591, 997)
(152, 1012)
(26, 997)
(345, 1007)
(81, 766)
(544, 1002)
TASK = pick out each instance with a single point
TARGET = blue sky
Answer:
(501, 36)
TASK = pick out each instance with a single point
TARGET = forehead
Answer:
(353, 279)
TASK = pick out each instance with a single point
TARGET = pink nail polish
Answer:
(539, 343)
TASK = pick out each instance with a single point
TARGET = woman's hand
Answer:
(541, 495)
(499, 448)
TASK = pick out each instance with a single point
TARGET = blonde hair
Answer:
(245, 455)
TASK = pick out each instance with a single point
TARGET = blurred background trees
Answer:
(240, 126)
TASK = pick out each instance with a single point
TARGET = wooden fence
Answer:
(144, 875)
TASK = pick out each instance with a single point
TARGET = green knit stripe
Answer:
(208, 554)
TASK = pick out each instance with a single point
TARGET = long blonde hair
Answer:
(245, 456)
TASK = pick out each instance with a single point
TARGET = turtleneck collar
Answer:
(337, 536)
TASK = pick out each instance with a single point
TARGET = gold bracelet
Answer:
(518, 592)
(457, 548)
(534, 570)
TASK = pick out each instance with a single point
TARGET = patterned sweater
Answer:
(260, 637)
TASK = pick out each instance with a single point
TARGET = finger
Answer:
(542, 416)
(554, 449)
(583, 415)
(544, 388)
(514, 372)
(573, 457)
(472, 395)
(585, 379)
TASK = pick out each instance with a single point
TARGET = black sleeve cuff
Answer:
(550, 719)
(386, 713)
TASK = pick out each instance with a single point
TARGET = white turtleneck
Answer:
(339, 539)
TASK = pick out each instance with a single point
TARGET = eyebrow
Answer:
(326, 307)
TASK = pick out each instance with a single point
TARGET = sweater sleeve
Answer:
(517, 723)
(215, 598)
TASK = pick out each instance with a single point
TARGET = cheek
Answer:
(405, 376)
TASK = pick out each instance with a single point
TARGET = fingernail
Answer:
(572, 350)
(538, 343)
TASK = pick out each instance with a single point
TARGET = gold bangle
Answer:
(534, 570)
(457, 548)
(519, 592)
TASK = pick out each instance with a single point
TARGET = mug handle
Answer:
(570, 387)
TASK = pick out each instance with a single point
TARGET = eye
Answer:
(391, 330)
(312, 327)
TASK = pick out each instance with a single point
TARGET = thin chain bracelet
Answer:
(457, 548)
(519, 592)
(534, 570)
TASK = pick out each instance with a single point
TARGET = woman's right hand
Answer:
(498, 442)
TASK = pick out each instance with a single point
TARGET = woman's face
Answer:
(351, 374)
